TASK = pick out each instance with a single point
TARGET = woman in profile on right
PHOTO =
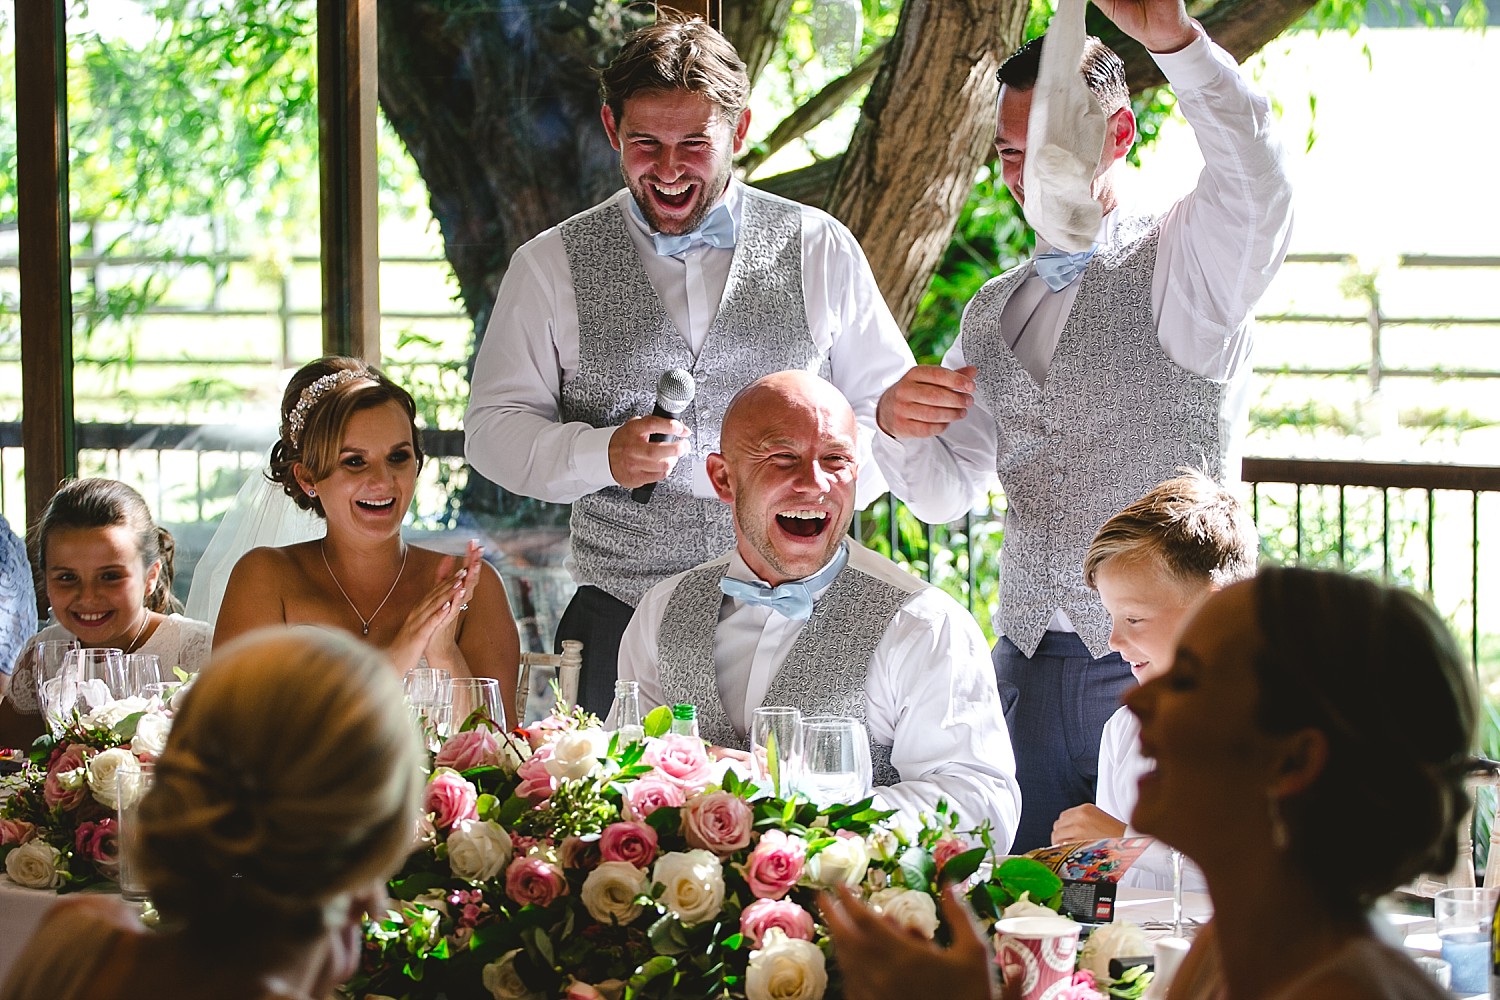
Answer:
(1310, 742)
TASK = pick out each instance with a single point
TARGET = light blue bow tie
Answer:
(717, 231)
(1059, 270)
(792, 600)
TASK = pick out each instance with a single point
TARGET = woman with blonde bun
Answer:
(287, 794)
(350, 452)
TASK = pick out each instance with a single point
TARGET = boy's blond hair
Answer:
(1191, 525)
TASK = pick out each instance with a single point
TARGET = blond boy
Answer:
(1152, 563)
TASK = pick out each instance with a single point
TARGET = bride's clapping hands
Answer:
(431, 627)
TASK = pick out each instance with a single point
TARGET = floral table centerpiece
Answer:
(562, 863)
(59, 818)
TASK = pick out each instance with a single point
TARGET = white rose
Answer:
(694, 884)
(36, 864)
(151, 734)
(109, 715)
(103, 774)
(1024, 907)
(786, 969)
(478, 850)
(576, 754)
(502, 980)
(842, 862)
(1122, 940)
(910, 908)
(610, 891)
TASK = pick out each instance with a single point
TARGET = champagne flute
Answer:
(429, 696)
(56, 693)
(776, 748)
(835, 760)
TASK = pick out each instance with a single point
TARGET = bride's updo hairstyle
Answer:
(1376, 670)
(315, 411)
(290, 781)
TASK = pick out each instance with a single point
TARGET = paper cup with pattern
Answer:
(1046, 950)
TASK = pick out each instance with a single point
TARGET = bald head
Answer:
(766, 402)
(786, 463)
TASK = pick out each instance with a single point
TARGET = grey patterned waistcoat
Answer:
(625, 342)
(1114, 418)
(824, 674)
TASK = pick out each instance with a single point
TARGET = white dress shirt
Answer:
(930, 692)
(514, 432)
(1120, 768)
(1219, 247)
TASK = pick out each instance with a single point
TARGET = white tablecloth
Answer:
(20, 911)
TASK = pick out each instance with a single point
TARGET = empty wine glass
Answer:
(100, 673)
(56, 694)
(776, 738)
(475, 694)
(835, 760)
(141, 669)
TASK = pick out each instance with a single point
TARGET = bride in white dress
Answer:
(349, 452)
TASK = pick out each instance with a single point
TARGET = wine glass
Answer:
(430, 698)
(100, 674)
(55, 694)
(835, 760)
(776, 737)
(475, 694)
(141, 669)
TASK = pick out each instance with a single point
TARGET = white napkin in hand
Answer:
(1064, 139)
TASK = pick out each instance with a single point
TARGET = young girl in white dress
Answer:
(107, 569)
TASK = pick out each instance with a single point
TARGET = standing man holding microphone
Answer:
(686, 268)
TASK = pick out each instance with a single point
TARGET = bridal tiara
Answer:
(297, 419)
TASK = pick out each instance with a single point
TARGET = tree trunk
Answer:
(1240, 27)
(925, 129)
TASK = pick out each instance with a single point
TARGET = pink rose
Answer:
(633, 843)
(646, 795)
(66, 793)
(1081, 988)
(575, 852)
(533, 880)
(477, 747)
(450, 798)
(16, 831)
(608, 989)
(779, 914)
(946, 850)
(99, 843)
(536, 783)
(775, 865)
(681, 760)
(718, 822)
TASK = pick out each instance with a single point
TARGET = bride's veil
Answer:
(262, 514)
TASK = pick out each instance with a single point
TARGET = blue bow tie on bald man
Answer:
(717, 231)
(793, 599)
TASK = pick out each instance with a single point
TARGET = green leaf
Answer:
(1020, 875)
(917, 867)
(124, 730)
(773, 762)
(658, 721)
(659, 965)
(667, 936)
(961, 866)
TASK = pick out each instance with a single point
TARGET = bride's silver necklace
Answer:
(364, 623)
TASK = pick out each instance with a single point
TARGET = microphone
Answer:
(674, 391)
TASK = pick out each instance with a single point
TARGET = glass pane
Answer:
(12, 485)
(193, 176)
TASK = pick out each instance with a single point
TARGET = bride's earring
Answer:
(312, 492)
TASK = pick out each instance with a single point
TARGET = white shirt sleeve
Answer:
(1221, 244)
(931, 694)
(942, 478)
(866, 349)
(1120, 765)
(513, 430)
